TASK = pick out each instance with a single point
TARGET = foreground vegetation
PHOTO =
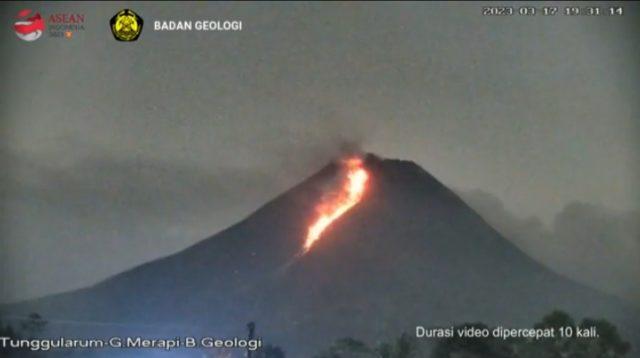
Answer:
(608, 344)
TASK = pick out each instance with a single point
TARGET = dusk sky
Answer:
(116, 153)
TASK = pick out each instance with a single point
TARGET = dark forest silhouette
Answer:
(608, 344)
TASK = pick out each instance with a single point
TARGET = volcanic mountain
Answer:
(411, 252)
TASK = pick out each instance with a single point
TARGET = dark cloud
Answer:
(590, 243)
(68, 227)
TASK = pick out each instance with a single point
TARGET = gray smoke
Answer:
(589, 243)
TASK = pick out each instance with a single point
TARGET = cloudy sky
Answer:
(118, 153)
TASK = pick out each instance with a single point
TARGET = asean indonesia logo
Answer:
(28, 27)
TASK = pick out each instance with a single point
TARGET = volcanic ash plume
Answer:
(339, 202)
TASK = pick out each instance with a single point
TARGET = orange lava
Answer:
(338, 203)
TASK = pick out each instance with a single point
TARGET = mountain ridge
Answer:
(411, 252)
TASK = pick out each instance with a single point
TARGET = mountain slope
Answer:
(411, 252)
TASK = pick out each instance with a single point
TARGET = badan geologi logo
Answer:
(126, 25)
(29, 26)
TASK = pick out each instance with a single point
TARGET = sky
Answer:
(116, 153)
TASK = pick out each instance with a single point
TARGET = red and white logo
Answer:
(29, 27)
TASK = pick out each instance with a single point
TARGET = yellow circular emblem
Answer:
(126, 25)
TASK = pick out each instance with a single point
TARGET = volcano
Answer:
(411, 252)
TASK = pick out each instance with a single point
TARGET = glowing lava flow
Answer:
(339, 203)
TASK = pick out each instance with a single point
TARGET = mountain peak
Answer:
(396, 171)
(395, 168)
(409, 252)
